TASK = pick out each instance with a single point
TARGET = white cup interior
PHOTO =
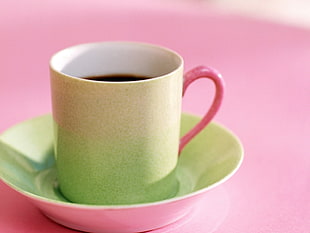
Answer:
(115, 58)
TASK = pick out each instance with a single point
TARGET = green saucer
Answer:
(27, 159)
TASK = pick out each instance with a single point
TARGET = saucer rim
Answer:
(37, 197)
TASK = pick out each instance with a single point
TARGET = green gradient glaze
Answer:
(117, 143)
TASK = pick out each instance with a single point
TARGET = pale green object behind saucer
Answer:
(27, 164)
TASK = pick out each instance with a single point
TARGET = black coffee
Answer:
(117, 78)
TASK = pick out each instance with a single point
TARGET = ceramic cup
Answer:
(117, 142)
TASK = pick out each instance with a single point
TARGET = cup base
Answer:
(172, 192)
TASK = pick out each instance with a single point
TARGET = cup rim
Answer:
(143, 44)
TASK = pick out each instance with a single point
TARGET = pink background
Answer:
(267, 102)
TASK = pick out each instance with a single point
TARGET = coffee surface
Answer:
(117, 78)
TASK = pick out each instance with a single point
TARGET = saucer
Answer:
(27, 166)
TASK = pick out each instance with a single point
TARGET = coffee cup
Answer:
(116, 113)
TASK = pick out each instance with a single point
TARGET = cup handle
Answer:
(191, 76)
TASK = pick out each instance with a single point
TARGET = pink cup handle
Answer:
(191, 76)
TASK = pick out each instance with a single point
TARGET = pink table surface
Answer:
(267, 103)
